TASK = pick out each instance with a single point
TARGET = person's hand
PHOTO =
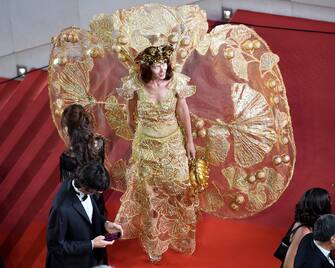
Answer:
(100, 242)
(190, 149)
(112, 227)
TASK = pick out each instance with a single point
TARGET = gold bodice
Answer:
(156, 119)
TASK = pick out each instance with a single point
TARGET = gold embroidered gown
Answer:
(159, 206)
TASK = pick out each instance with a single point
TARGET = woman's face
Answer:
(159, 71)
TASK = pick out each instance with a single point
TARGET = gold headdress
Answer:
(155, 54)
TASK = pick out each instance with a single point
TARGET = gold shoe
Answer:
(155, 259)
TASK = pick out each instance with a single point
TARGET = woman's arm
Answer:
(184, 115)
(132, 109)
(293, 248)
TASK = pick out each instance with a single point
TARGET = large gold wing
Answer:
(240, 116)
(241, 121)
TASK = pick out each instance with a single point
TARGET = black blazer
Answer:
(309, 256)
(70, 232)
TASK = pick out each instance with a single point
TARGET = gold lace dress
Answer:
(159, 206)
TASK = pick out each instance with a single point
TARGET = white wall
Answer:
(26, 27)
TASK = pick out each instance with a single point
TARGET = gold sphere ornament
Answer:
(234, 206)
(173, 38)
(183, 53)
(285, 140)
(61, 61)
(229, 53)
(122, 40)
(260, 175)
(199, 124)
(202, 133)
(248, 45)
(239, 199)
(121, 57)
(64, 37)
(277, 160)
(95, 52)
(185, 41)
(272, 83)
(280, 89)
(286, 158)
(252, 179)
(276, 99)
(116, 49)
(256, 44)
(75, 38)
(194, 134)
(70, 37)
(58, 112)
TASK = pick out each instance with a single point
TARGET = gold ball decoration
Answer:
(272, 83)
(185, 41)
(95, 52)
(194, 134)
(256, 44)
(61, 61)
(121, 57)
(260, 175)
(199, 124)
(277, 160)
(122, 40)
(286, 158)
(229, 53)
(58, 112)
(280, 89)
(252, 179)
(116, 49)
(285, 140)
(183, 53)
(173, 38)
(234, 206)
(239, 199)
(202, 133)
(276, 99)
(248, 45)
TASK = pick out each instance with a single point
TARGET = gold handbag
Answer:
(199, 174)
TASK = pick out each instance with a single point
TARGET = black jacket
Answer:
(70, 232)
(309, 256)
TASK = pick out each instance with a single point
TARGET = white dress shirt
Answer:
(324, 252)
(87, 203)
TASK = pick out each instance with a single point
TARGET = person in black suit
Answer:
(314, 250)
(76, 228)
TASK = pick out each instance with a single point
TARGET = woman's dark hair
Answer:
(77, 122)
(146, 73)
(94, 176)
(314, 203)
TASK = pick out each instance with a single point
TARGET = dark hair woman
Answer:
(314, 203)
(84, 146)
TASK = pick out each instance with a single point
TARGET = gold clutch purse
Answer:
(199, 174)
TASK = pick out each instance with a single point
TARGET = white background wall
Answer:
(26, 27)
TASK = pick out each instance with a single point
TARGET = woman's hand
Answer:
(190, 149)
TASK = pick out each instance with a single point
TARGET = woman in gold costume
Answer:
(159, 206)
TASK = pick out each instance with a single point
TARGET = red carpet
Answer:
(30, 147)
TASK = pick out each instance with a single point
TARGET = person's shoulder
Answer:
(62, 194)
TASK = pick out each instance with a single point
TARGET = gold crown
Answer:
(155, 54)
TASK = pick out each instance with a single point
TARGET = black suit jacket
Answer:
(70, 232)
(309, 256)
